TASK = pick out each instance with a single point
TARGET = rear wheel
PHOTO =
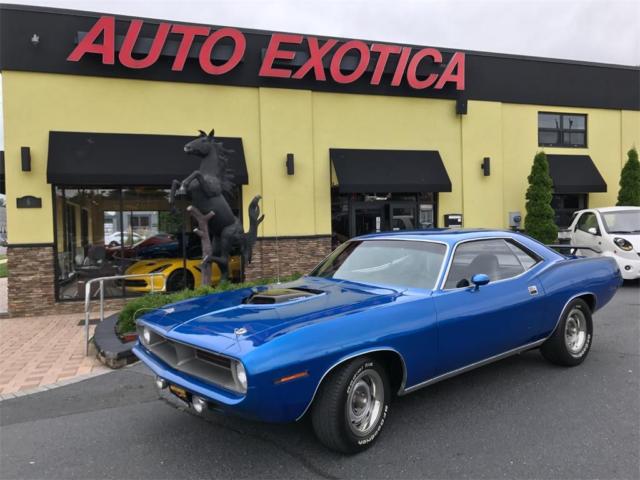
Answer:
(176, 280)
(570, 343)
(351, 405)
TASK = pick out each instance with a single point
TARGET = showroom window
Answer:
(103, 232)
(562, 130)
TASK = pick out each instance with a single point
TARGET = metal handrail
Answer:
(101, 280)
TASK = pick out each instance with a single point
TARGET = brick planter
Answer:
(31, 283)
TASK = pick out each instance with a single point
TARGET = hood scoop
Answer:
(280, 295)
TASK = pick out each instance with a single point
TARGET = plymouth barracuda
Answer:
(383, 315)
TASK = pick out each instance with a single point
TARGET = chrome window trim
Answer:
(508, 239)
(439, 242)
(349, 357)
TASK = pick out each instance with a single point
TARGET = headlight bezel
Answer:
(239, 374)
(623, 244)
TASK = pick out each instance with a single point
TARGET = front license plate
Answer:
(179, 392)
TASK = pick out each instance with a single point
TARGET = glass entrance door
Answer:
(368, 217)
(403, 216)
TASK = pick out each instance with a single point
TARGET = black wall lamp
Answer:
(486, 166)
(25, 154)
(289, 163)
(461, 106)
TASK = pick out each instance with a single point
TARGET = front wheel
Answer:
(570, 343)
(352, 405)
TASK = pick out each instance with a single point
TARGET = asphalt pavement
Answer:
(518, 418)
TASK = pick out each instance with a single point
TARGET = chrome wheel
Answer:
(575, 331)
(365, 402)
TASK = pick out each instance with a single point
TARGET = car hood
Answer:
(222, 321)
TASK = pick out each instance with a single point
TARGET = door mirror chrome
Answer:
(593, 231)
(479, 279)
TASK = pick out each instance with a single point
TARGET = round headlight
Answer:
(623, 244)
(146, 336)
(241, 376)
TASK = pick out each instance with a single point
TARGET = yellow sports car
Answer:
(173, 272)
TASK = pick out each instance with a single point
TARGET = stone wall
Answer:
(286, 256)
(31, 287)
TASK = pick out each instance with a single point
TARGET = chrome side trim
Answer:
(472, 366)
(349, 357)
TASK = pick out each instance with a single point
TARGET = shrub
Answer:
(153, 301)
(539, 220)
(629, 194)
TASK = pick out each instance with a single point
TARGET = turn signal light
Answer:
(288, 378)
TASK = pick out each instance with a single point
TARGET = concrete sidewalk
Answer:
(37, 353)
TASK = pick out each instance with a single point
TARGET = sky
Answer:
(606, 31)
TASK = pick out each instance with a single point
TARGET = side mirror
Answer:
(479, 279)
(593, 231)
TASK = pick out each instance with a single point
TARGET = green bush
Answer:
(539, 221)
(629, 194)
(153, 301)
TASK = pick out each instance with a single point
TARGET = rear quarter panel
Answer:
(568, 278)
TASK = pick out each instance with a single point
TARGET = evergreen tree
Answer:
(629, 194)
(539, 222)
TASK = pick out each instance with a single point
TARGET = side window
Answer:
(526, 259)
(587, 221)
(494, 258)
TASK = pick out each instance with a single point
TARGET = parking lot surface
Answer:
(518, 418)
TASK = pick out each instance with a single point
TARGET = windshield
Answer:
(400, 263)
(622, 221)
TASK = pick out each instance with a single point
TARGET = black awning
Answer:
(105, 159)
(575, 174)
(370, 171)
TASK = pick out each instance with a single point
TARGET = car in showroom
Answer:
(177, 274)
(383, 315)
(611, 232)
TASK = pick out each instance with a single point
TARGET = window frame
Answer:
(439, 276)
(561, 130)
(585, 215)
(539, 260)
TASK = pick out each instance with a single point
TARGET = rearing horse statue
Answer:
(207, 187)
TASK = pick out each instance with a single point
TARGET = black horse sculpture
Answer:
(221, 232)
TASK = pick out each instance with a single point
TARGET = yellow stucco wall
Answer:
(274, 122)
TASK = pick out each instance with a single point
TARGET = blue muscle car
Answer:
(383, 314)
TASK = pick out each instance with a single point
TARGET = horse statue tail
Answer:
(255, 219)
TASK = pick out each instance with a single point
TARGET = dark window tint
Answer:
(562, 130)
(494, 258)
(587, 221)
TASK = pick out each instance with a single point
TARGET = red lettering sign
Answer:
(274, 53)
(279, 61)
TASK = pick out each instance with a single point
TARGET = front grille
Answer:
(207, 366)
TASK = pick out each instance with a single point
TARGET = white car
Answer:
(614, 231)
(114, 239)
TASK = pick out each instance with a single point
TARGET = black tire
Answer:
(175, 280)
(335, 401)
(558, 347)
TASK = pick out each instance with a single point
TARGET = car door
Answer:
(587, 232)
(475, 324)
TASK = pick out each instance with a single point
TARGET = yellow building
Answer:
(339, 137)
